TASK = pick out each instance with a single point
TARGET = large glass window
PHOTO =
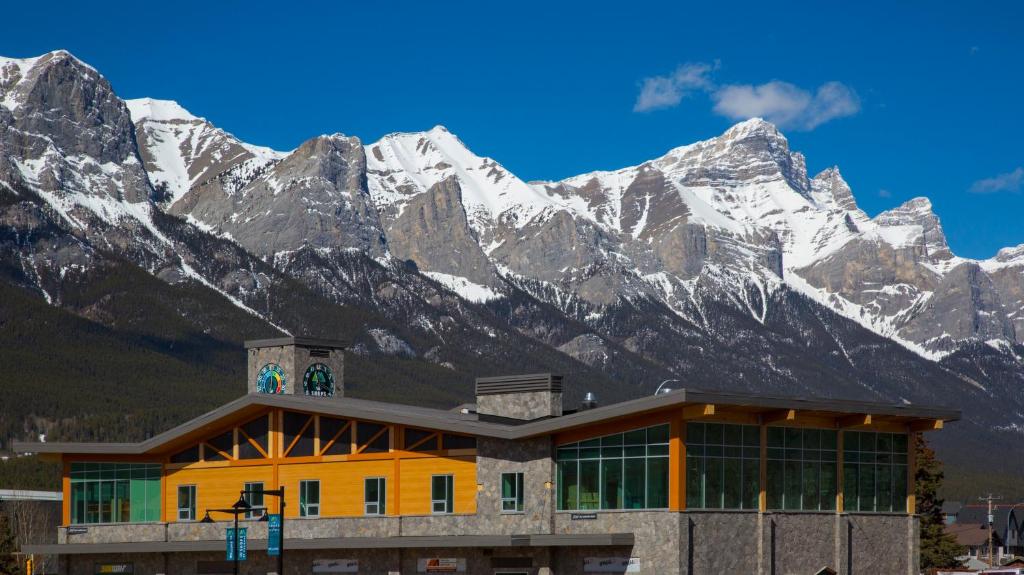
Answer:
(801, 469)
(309, 498)
(442, 493)
(874, 471)
(374, 489)
(511, 492)
(115, 492)
(254, 497)
(722, 466)
(186, 503)
(621, 471)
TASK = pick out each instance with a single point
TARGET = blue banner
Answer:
(273, 535)
(243, 544)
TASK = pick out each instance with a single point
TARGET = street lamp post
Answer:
(657, 391)
(279, 493)
(238, 508)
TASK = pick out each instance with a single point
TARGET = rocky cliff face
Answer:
(721, 263)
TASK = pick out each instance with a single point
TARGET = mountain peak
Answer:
(830, 187)
(158, 110)
(754, 127)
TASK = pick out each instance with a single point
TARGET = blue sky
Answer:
(906, 98)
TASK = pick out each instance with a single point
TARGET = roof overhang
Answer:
(399, 542)
(444, 420)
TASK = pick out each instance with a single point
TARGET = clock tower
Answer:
(296, 366)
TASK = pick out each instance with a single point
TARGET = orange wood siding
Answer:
(341, 485)
(415, 480)
(65, 485)
(216, 487)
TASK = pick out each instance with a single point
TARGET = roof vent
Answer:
(589, 401)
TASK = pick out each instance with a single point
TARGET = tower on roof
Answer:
(296, 366)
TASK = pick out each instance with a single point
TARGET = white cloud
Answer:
(1008, 182)
(660, 92)
(787, 105)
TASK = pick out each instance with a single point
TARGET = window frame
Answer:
(518, 497)
(192, 495)
(254, 506)
(381, 502)
(802, 464)
(860, 462)
(593, 461)
(449, 494)
(304, 504)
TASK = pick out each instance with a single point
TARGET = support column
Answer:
(677, 465)
(911, 472)
(762, 496)
(840, 482)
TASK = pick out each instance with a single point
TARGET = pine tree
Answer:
(939, 549)
(8, 560)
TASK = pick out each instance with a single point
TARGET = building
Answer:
(1007, 526)
(974, 537)
(950, 510)
(685, 482)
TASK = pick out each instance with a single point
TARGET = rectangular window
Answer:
(621, 471)
(442, 494)
(186, 503)
(511, 492)
(875, 471)
(801, 469)
(115, 492)
(374, 489)
(309, 498)
(255, 500)
(722, 465)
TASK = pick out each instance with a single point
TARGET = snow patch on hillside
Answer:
(464, 288)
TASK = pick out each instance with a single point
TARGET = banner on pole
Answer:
(273, 535)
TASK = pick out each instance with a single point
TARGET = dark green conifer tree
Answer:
(939, 549)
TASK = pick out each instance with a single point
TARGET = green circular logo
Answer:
(318, 381)
(271, 379)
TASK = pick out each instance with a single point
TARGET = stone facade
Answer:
(526, 405)
(294, 360)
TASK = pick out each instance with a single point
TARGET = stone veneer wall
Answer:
(667, 543)
(532, 457)
(526, 406)
(657, 540)
(294, 360)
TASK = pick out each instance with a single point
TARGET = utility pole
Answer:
(991, 518)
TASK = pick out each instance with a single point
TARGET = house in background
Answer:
(974, 536)
(950, 510)
(1006, 523)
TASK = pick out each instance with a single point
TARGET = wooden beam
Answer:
(926, 425)
(840, 481)
(698, 410)
(762, 495)
(853, 421)
(911, 472)
(677, 465)
(778, 416)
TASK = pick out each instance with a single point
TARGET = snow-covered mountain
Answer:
(722, 262)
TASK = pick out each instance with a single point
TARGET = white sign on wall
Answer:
(611, 564)
(336, 566)
(441, 565)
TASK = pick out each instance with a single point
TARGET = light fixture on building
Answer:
(206, 518)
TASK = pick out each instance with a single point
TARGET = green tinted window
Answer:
(875, 471)
(115, 492)
(722, 466)
(801, 469)
(620, 471)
